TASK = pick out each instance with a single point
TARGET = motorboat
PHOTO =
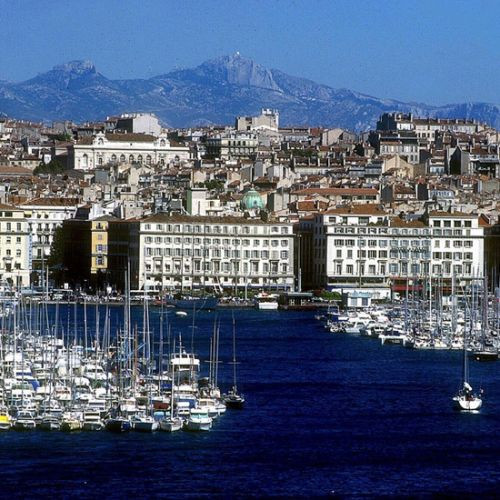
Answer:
(71, 422)
(92, 421)
(5, 420)
(171, 424)
(198, 420)
(266, 301)
(25, 420)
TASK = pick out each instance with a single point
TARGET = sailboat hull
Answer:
(462, 403)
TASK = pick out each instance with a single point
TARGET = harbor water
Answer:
(325, 414)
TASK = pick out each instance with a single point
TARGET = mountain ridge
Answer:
(213, 92)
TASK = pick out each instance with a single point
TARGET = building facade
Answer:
(365, 247)
(44, 216)
(15, 247)
(101, 149)
(232, 145)
(184, 253)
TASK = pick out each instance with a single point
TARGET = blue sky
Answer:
(433, 51)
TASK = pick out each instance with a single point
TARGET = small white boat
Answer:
(266, 301)
(25, 421)
(466, 400)
(144, 423)
(198, 420)
(50, 423)
(182, 314)
(171, 424)
(92, 421)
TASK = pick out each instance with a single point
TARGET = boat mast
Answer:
(234, 356)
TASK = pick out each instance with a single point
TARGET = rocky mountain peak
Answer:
(238, 70)
(78, 67)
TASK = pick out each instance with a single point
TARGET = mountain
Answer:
(212, 93)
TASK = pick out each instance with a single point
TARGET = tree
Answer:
(55, 260)
(53, 167)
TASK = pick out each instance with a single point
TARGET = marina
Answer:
(64, 370)
(312, 418)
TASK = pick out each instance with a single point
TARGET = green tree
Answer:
(53, 167)
(56, 257)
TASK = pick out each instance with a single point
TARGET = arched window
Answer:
(99, 160)
(162, 162)
(85, 161)
(139, 158)
(122, 158)
(100, 141)
(113, 157)
(131, 159)
(163, 143)
(148, 160)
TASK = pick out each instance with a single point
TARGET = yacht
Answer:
(5, 421)
(266, 301)
(92, 421)
(198, 420)
(71, 422)
(25, 420)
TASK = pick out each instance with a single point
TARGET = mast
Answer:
(235, 390)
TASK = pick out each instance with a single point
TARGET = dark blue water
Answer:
(325, 413)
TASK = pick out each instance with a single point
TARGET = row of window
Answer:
(11, 226)
(402, 269)
(226, 253)
(220, 267)
(187, 228)
(8, 240)
(207, 241)
(448, 223)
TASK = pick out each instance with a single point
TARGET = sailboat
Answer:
(233, 399)
(466, 400)
(171, 423)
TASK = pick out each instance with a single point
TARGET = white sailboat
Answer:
(466, 399)
(233, 399)
(171, 423)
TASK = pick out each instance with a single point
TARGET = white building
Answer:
(44, 216)
(14, 247)
(365, 247)
(103, 148)
(268, 120)
(232, 145)
(139, 123)
(184, 252)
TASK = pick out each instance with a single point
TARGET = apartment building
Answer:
(15, 247)
(425, 128)
(232, 145)
(195, 252)
(44, 216)
(365, 247)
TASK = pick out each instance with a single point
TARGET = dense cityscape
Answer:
(250, 207)
(250, 250)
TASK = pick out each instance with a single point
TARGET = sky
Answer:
(432, 51)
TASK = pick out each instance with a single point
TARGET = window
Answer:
(350, 269)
